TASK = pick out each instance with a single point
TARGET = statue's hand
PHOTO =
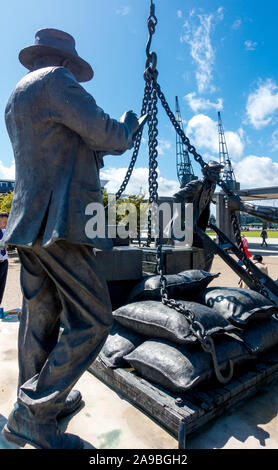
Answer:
(180, 195)
(233, 202)
(131, 120)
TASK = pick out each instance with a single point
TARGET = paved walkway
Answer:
(108, 421)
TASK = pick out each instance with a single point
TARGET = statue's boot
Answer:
(47, 435)
(72, 402)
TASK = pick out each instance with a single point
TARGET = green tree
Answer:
(6, 202)
(134, 199)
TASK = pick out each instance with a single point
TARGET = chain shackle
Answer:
(152, 22)
(151, 61)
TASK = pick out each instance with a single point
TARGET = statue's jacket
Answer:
(199, 193)
(59, 137)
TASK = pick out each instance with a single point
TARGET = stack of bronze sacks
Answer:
(158, 343)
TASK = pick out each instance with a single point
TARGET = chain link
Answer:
(191, 149)
(150, 76)
(151, 94)
(198, 158)
(145, 103)
(150, 70)
(146, 100)
(153, 174)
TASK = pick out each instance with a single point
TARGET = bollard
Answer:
(2, 313)
(182, 434)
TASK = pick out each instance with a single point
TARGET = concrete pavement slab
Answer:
(106, 420)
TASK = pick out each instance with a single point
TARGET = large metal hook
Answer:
(152, 22)
(208, 346)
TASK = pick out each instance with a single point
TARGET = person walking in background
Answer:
(241, 283)
(245, 246)
(3, 255)
(258, 261)
(264, 236)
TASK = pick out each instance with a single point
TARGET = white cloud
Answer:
(220, 13)
(236, 24)
(203, 132)
(235, 144)
(256, 172)
(197, 104)
(179, 14)
(138, 182)
(250, 45)
(274, 140)
(163, 146)
(199, 39)
(262, 104)
(7, 172)
(123, 11)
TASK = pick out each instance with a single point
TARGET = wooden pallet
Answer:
(186, 413)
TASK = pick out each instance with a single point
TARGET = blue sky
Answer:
(214, 55)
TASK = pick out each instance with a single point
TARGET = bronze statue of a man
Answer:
(59, 137)
(199, 192)
(267, 213)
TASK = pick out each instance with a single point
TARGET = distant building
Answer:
(6, 186)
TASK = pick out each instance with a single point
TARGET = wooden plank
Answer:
(223, 394)
(234, 387)
(158, 404)
(215, 396)
(202, 399)
(235, 400)
(194, 408)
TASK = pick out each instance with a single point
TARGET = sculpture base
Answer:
(177, 259)
(121, 263)
(186, 413)
(122, 269)
(124, 266)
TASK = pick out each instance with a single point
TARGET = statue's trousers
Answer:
(66, 317)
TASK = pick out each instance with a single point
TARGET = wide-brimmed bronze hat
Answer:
(212, 165)
(54, 41)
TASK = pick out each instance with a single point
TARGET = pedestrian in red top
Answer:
(245, 245)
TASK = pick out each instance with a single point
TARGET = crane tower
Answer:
(227, 174)
(184, 167)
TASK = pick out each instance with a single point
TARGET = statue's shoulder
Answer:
(53, 73)
(190, 189)
(194, 185)
(61, 74)
(33, 78)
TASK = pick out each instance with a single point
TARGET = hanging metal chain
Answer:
(150, 76)
(191, 149)
(151, 62)
(198, 158)
(244, 258)
(153, 174)
(137, 143)
(196, 328)
(150, 68)
(145, 104)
